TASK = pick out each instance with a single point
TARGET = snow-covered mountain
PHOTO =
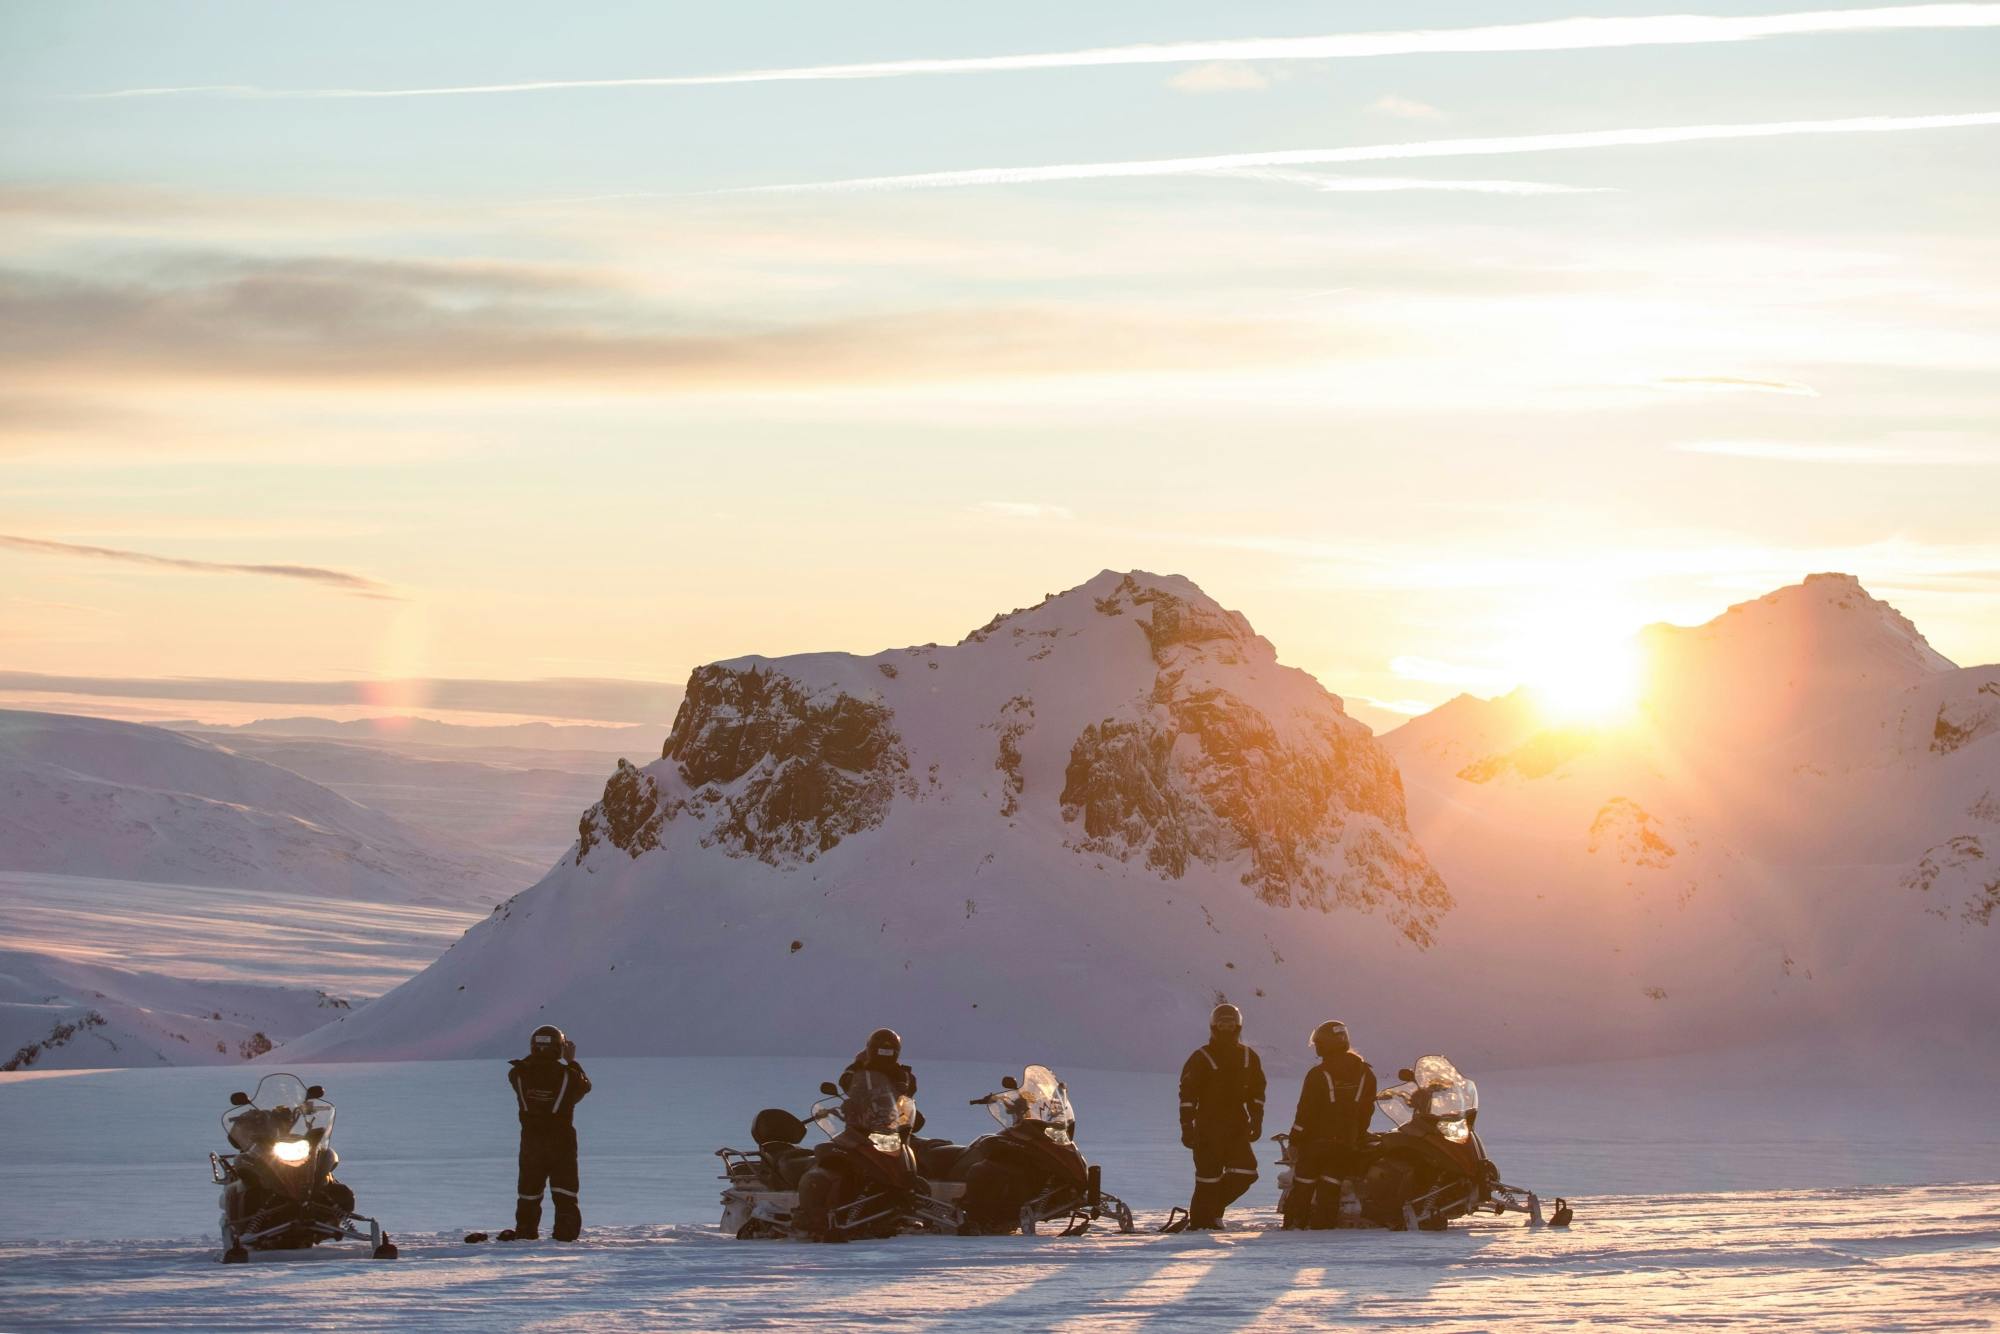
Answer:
(122, 801)
(1070, 834)
(1800, 828)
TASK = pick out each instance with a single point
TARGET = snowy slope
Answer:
(120, 801)
(61, 1014)
(1091, 818)
(1801, 828)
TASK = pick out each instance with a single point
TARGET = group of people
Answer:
(1222, 1118)
(1221, 1109)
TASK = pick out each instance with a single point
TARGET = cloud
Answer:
(335, 579)
(1436, 148)
(416, 322)
(1576, 34)
(1404, 108)
(1220, 76)
(1024, 509)
(1790, 451)
(1733, 384)
(1392, 184)
(590, 699)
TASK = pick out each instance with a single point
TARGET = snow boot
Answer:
(515, 1234)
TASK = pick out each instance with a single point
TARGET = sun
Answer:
(1583, 677)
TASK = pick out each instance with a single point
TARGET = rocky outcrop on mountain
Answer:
(1194, 773)
(628, 818)
(1961, 722)
(1957, 880)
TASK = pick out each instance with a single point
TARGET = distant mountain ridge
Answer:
(125, 801)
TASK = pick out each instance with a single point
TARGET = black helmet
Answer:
(1330, 1039)
(885, 1042)
(1226, 1016)
(546, 1041)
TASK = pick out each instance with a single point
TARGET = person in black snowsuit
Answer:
(1336, 1102)
(1222, 1115)
(821, 1185)
(548, 1084)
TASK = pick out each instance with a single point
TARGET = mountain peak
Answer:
(1826, 621)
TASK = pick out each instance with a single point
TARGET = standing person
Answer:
(1335, 1105)
(1222, 1115)
(548, 1084)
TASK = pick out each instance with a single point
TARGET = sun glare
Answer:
(1580, 678)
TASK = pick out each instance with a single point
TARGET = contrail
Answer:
(1435, 148)
(1578, 34)
(340, 579)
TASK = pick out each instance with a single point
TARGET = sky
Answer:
(495, 343)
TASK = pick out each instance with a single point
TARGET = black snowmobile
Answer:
(278, 1188)
(1429, 1167)
(865, 1172)
(1029, 1173)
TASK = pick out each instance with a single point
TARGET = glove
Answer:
(569, 1050)
(1187, 1134)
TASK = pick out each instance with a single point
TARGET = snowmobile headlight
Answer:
(887, 1143)
(1455, 1129)
(291, 1152)
(1056, 1134)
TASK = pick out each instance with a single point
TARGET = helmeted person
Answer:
(548, 1084)
(1336, 1102)
(1222, 1115)
(883, 1055)
(880, 1058)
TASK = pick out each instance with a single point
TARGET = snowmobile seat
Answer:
(788, 1161)
(775, 1125)
(936, 1158)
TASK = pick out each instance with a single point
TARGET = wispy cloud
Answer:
(1791, 451)
(416, 322)
(1220, 76)
(1395, 184)
(340, 580)
(1434, 148)
(1575, 34)
(1734, 384)
(1404, 108)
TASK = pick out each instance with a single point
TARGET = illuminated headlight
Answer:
(291, 1152)
(1056, 1134)
(1455, 1130)
(887, 1143)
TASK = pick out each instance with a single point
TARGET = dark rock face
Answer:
(629, 817)
(1205, 776)
(765, 768)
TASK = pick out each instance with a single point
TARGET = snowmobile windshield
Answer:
(874, 1107)
(279, 1112)
(1439, 1091)
(1042, 1099)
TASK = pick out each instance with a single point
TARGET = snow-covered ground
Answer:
(1735, 1189)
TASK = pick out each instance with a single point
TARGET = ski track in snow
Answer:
(1891, 1258)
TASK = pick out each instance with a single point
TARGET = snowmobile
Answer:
(1031, 1172)
(866, 1167)
(278, 1188)
(1430, 1166)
